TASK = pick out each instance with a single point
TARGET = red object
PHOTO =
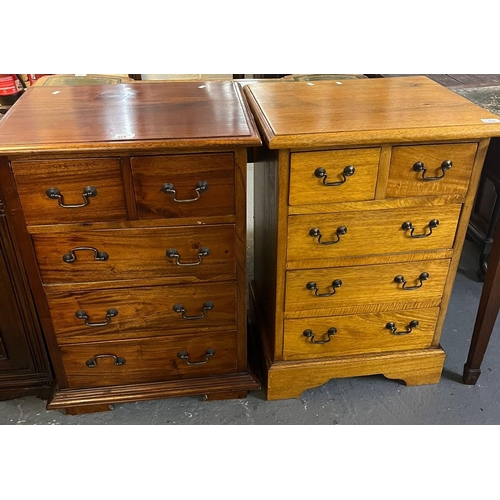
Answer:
(11, 88)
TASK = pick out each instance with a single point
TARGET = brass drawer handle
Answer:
(316, 233)
(110, 313)
(409, 226)
(92, 363)
(312, 286)
(320, 173)
(310, 335)
(392, 326)
(401, 279)
(169, 188)
(207, 306)
(88, 192)
(172, 253)
(420, 167)
(71, 257)
(185, 356)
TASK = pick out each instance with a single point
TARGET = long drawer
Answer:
(359, 334)
(336, 287)
(182, 253)
(155, 359)
(371, 232)
(129, 313)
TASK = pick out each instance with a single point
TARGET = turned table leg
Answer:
(489, 305)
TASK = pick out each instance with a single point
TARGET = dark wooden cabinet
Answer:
(159, 308)
(24, 366)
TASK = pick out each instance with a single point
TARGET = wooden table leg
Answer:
(489, 305)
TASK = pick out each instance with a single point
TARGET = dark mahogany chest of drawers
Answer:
(130, 205)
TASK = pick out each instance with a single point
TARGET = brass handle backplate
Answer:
(110, 313)
(207, 306)
(169, 188)
(185, 356)
(172, 253)
(92, 363)
(310, 335)
(392, 326)
(55, 194)
(316, 233)
(420, 167)
(311, 285)
(71, 257)
(408, 226)
(400, 279)
(320, 173)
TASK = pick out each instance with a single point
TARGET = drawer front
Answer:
(359, 334)
(371, 232)
(312, 173)
(362, 285)
(181, 253)
(192, 185)
(89, 190)
(142, 312)
(407, 176)
(156, 359)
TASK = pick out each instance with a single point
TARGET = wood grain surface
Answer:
(70, 177)
(149, 360)
(137, 253)
(142, 311)
(184, 172)
(359, 334)
(364, 285)
(405, 182)
(366, 111)
(129, 116)
(306, 188)
(370, 232)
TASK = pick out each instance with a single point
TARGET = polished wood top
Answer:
(364, 111)
(129, 116)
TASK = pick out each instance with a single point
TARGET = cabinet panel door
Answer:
(13, 345)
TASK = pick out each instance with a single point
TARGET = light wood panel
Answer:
(306, 188)
(362, 284)
(404, 181)
(365, 112)
(370, 233)
(358, 334)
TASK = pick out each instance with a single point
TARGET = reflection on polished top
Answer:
(173, 114)
(361, 111)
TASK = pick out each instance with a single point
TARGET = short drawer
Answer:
(65, 191)
(359, 334)
(431, 170)
(193, 185)
(180, 253)
(337, 287)
(149, 360)
(333, 176)
(98, 315)
(329, 235)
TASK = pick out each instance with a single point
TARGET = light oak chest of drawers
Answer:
(363, 192)
(130, 205)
